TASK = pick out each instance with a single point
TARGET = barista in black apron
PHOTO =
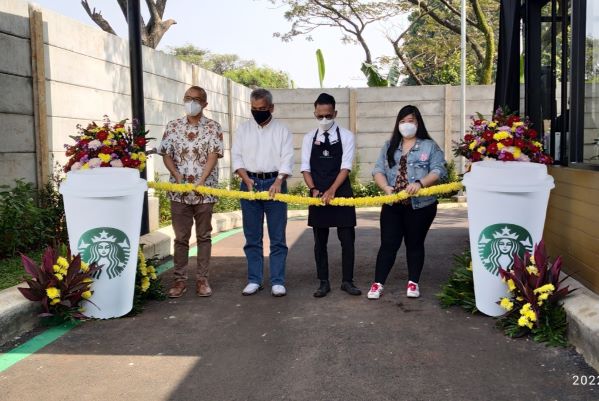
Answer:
(325, 170)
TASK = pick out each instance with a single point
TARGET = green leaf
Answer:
(374, 78)
(320, 63)
(394, 72)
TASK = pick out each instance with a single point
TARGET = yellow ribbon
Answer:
(301, 200)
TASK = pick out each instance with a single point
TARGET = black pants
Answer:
(401, 222)
(347, 236)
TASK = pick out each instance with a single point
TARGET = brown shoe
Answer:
(203, 288)
(177, 289)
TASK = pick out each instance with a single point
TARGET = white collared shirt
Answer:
(263, 149)
(347, 144)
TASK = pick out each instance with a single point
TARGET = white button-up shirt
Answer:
(347, 144)
(263, 149)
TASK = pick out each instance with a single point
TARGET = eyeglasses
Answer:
(328, 117)
(192, 99)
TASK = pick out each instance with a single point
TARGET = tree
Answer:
(151, 33)
(352, 17)
(439, 19)
(231, 66)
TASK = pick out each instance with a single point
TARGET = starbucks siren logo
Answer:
(499, 242)
(106, 246)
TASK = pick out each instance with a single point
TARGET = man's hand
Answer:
(250, 184)
(389, 190)
(315, 193)
(274, 189)
(328, 196)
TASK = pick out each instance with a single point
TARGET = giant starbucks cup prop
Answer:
(103, 211)
(507, 203)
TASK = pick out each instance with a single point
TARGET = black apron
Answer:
(325, 165)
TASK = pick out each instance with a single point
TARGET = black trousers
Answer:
(347, 236)
(401, 222)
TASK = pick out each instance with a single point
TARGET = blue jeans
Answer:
(253, 229)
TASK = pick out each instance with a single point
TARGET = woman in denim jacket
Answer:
(411, 160)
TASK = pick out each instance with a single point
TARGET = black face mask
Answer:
(261, 115)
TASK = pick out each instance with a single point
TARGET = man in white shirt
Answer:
(327, 157)
(262, 155)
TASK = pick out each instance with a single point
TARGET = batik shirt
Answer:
(189, 145)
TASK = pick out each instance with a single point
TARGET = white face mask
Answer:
(192, 108)
(325, 123)
(408, 130)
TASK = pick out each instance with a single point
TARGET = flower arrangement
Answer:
(59, 284)
(147, 283)
(534, 306)
(107, 145)
(506, 137)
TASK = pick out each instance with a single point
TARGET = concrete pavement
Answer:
(230, 347)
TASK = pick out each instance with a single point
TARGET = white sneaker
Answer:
(278, 290)
(251, 289)
(376, 291)
(413, 291)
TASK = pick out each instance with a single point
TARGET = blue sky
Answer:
(245, 28)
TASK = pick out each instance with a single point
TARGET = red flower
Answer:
(512, 119)
(105, 164)
(140, 141)
(476, 156)
(102, 136)
(507, 156)
(468, 137)
(488, 135)
(126, 160)
(106, 149)
(508, 141)
(519, 143)
(532, 134)
(492, 148)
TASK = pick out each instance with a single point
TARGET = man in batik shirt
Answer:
(191, 146)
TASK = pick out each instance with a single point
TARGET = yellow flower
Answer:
(104, 157)
(56, 268)
(470, 266)
(142, 166)
(543, 297)
(510, 285)
(492, 124)
(532, 270)
(84, 267)
(87, 280)
(151, 269)
(517, 124)
(134, 156)
(86, 294)
(52, 292)
(145, 284)
(54, 301)
(502, 135)
(58, 276)
(142, 156)
(532, 260)
(85, 166)
(523, 321)
(506, 304)
(107, 142)
(538, 144)
(120, 130)
(481, 149)
(143, 271)
(519, 298)
(153, 276)
(547, 288)
(62, 262)
(516, 152)
(110, 135)
(500, 145)
(472, 145)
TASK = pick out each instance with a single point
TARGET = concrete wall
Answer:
(373, 112)
(87, 76)
(17, 139)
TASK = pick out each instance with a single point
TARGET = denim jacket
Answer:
(424, 157)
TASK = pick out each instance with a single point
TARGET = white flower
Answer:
(95, 162)
(95, 144)
(116, 163)
(76, 166)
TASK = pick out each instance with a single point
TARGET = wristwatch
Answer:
(281, 176)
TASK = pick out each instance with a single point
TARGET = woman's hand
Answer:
(389, 190)
(414, 187)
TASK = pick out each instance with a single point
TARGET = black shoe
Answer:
(350, 288)
(324, 288)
